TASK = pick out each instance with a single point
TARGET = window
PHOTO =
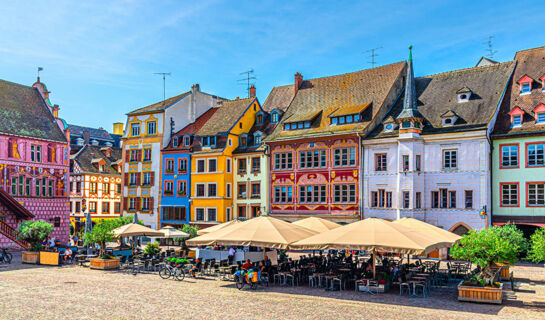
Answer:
(147, 154)
(525, 88)
(201, 165)
(212, 165)
(540, 118)
(182, 165)
(78, 187)
(509, 194)
(517, 121)
(381, 199)
(283, 161)
(105, 188)
(93, 187)
(242, 191)
(243, 141)
(344, 193)
(118, 188)
(257, 139)
(187, 141)
(345, 157)
(256, 190)
(418, 200)
(452, 199)
(469, 199)
(228, 214)
(175, 142)
(259, 119)
(199, 187)
(146, 204)
(228, 190)
(535, 155)
(14, 186)
(35, 153)
(313, 159)
(241, 211)
(212, 214)
(242, 165)
(133, 177)
(274, 117)
(228, 165)
(381, 162)
(105, 207)
(21, 185)
(170, 166)
(44, 186)
(509, 156)
(117, 207)
(135, 129)
(450, 159)
(435, 199)
(536, 194)
(78, 207)
(212, 190)
(152, 127)
(28, 187)
(182, 188)
(256, 164)
(174, 214)
(38, 187)
(283, 194)
(444, 197)
(199, 214)
(169, 188)
(256, 211)
(312, 194)
(134, 155)
(405, 163)
(92, 206)
(406, 199)
(146, 181)
(230, 142)
(132, 204)
(417, 162)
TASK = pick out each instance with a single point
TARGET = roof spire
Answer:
(410, 53)
(409, 100)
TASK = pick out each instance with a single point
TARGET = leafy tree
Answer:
(537, 247)
(489, 246)
(34, 232)
(102, 232)
(189, 229)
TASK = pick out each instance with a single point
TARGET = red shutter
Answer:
(151, 204)
(127, 155)
(138, 208)
(126, 178)
(152, 178)
(138, 178)
(139, 155)
(125, 204)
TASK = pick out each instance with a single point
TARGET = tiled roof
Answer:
(349, 90)
(265, 128)
(225, 118)
(436, 96)
(279, 98)
(159, 105)
(532, 63)
(92, 154)
(192, 128)
(24, 112)
(303, 116)
(355, 109)
(78, 131)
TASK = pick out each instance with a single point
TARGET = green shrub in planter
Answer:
(34, 232)
(537, 246)
(152, 249)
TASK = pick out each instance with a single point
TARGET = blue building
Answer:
(176, 174)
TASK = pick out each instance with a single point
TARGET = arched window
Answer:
(461, 230)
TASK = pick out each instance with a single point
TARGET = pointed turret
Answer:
(410, 119)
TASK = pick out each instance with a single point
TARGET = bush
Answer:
(189, 229)
(102, 232)
(34, 232)
(537, 247)
(152, 249)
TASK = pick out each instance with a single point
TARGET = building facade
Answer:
(430, 158)
(518, 187)
(315, 160)
(148, 130)
(34, 152)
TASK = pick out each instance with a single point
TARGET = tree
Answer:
(537, 246)
(189, 229)
(34, 232)
(489, 246)
(103, 232)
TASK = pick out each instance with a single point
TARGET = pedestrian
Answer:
(231, 256)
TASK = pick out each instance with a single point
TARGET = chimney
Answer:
(252, 91)
(298, 81)
(118, 128)
(56, 111)
(195, 87)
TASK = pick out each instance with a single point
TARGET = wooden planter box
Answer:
(505, 274)
(480, 294)
(104, 264)
(49, 258)
(31, 257)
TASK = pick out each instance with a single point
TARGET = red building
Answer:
(315, 162)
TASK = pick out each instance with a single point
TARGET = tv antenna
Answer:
(372, 55)
(248, 79)
(490, 49)
(164, 74)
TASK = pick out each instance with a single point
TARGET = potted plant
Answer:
(152, 249)
(537, 246)
(182, 193)
(516, 238)
(33, 232)
(101, 234)
(485, 248)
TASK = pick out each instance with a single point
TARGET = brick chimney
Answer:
(252, 91)
(298, 81)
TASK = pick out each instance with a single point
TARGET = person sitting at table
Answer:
(395, 270)
(51, 243)
(67, 254)
(247, 266)
(267, 261)
(196, 267)
(44, 242)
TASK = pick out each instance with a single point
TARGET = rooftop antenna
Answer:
(490, 49)
(164, 74)
(247, 80)
(372, 55)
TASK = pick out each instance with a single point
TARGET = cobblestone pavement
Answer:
(41, 292)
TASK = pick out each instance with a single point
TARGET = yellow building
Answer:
(212, 164)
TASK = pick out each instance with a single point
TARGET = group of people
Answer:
(51, 244)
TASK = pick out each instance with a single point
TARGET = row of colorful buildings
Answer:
(462, 149)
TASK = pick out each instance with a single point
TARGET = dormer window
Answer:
(464, 94)
(101, 167)
(94, 143)
(389, 124)
(525, 88)
(208, 141)
(347, 119)
(449, 118)
(525, 83)
(517, 121)
(274, 117)
(243, 141)
(108, 144)
(175, 142)
(517, 115)
(259, 118)
(257, 139)
(187, 141)
(79, 141)
(539, 111)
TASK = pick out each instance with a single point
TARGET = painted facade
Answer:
(518, 165)
(315, 160)
(34, 154)
(430, 157)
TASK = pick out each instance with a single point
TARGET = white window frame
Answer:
(513, 190)
(536, 156)
(208, 214)
(228, 190)
(228, 216)
(228, 163)
(146, 176)
(203, 214)
(537, 190)
(135, 127)
(509, 156)
(208, 165)
(207, 189)
(197, 161)
(447, 162)
(197, 190)
(151, 128)
(175, 142)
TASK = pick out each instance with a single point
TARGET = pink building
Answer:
(34, 164)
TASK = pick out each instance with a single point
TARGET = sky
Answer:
(99, 57)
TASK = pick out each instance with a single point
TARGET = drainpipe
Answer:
(361, 177)
(490, 165)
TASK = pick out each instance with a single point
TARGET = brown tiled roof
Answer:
(354, 109)
(327, 94)
(436, 96)
(532, 63)
(159, 105)
(92, 154)
(225, 117)
(303, 116)
(24, 112)
(279, 98)
(192, 128)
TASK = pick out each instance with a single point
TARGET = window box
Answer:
(480, 294)
(182, 193)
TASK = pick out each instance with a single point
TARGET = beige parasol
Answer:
(317, 224)
(263, 231)
(171, 232)
(428, 229)
(217, 227)
(134, 229)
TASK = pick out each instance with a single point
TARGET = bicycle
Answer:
(177, 271)
(243, 278)
(5, 256)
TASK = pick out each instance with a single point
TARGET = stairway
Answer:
(11, 233)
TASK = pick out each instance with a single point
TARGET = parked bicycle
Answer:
(173, 268)
(5, 256)
(250, 278)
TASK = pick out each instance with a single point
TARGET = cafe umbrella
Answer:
(170, 232)
(317, 224)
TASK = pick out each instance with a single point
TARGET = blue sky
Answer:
(99, 57)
